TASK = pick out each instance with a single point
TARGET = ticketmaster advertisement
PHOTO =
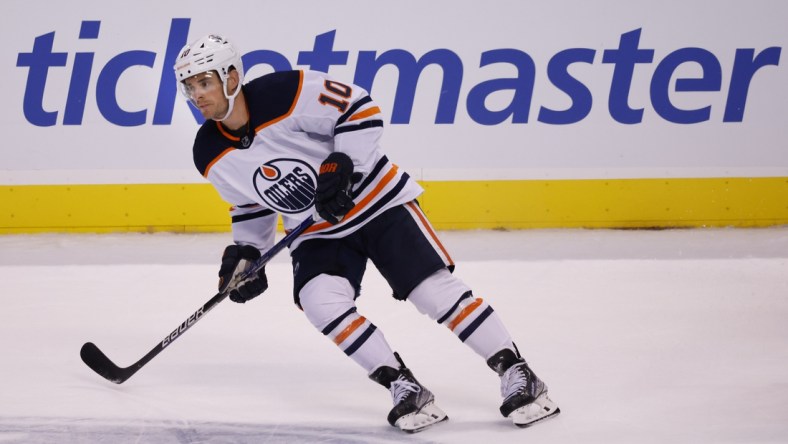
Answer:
(501, 90)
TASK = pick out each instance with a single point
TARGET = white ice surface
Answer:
(676, 336)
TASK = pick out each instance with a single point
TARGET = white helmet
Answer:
(210, 53)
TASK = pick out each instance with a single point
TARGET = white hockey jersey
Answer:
(296, 119)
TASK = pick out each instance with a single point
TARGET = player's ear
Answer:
(232, 81)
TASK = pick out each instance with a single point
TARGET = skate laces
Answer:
(513, 381)
(401, 388)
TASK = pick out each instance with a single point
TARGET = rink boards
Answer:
(602, 203)
(603, 114)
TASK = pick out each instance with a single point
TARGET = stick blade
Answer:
(101, 364)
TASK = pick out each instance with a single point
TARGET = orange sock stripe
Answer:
(349, 330)
(464, 314)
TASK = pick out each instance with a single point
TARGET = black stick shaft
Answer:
(101, 364)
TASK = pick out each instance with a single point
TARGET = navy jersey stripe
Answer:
(371, 176)
(359, 103)
(368, 212)
(250, 216)
(361, 126)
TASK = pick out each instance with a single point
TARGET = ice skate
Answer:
(525, 395)
(414, 406)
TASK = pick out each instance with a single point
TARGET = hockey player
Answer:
(298, 142)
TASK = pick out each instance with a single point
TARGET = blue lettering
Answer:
(168, 89)
(409, 68)
(409, 71)
(39, 61)
(322, 55)
(106, 97)
(624, 60)
(558, 73)
(264, 57)
(523, 87)
(744, 67)
(660, 84)
(78, 89)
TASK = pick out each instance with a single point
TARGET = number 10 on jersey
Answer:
(339, 92)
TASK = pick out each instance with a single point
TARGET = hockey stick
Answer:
(101, 364)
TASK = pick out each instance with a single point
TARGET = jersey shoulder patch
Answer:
(209, 145)
(272, 97)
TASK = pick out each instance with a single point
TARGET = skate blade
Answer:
(428, 416)
(539, 410)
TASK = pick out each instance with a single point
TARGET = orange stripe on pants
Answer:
(426, 225)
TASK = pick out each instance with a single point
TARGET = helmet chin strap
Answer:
(231, 99)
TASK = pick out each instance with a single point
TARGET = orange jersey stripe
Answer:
(366, 113)
(426, 224)
(208, 168)
(292, 106)
(464, 313)
(361, 204)
(225, 133)
(349, 330)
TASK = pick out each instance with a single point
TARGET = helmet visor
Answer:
(200, 85)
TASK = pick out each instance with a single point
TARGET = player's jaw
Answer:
(212, 108)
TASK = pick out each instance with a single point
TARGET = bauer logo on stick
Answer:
(181, 328)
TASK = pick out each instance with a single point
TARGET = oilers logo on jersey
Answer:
(296, 119)
(286, 185)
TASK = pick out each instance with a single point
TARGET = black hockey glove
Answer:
(333, 198)
(235, 260)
